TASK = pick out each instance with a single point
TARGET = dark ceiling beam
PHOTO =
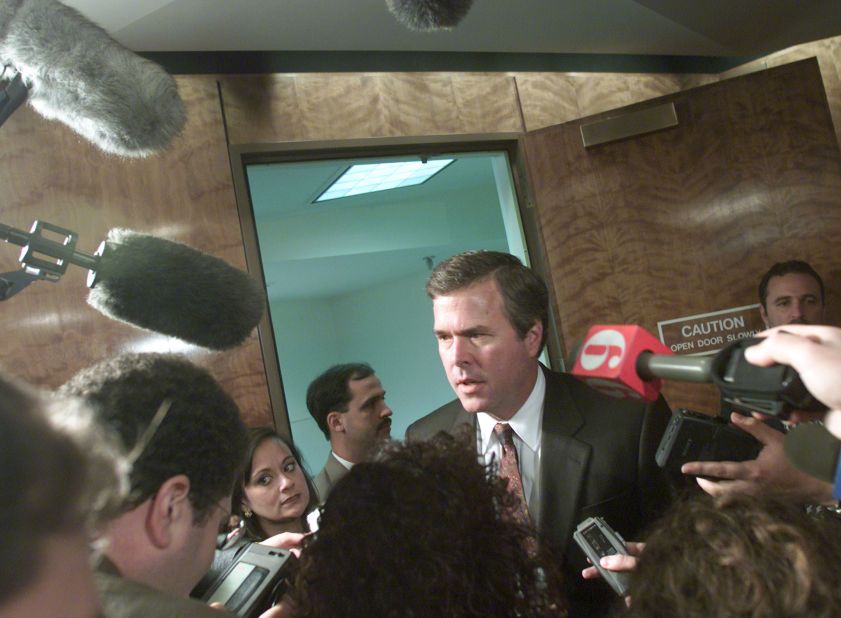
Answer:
(353, 61)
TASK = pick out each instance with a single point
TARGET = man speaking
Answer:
(567, 450)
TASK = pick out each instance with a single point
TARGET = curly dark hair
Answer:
(421, 531)
(202, 435)
(524, 294)
(739, 556)
(330, 391)
(256, 436)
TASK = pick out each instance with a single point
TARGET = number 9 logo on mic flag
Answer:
(608, 361)
(605, 347)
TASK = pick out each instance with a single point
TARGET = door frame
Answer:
(242, 155)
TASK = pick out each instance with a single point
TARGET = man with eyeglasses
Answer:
(186, 439)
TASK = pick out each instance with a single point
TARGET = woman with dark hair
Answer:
(272, 498)
(274, 493)
(423, 530)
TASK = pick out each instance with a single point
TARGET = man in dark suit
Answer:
(579, 452)
(348, 404)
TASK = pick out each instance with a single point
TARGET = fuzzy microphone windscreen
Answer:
(425, 15)
(173, 289)
(77, 74)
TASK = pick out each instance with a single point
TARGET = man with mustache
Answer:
(791, 293)
(348, 404)
(578, 453)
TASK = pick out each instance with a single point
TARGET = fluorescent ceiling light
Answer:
(370, 177)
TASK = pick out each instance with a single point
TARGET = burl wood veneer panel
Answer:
(553, 98)
(336, 106)
(828, 54)
(686, 220)
(185, 194)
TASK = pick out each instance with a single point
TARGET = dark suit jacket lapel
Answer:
(563, 463)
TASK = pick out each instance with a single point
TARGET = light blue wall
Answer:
(390, 327)
(305, 333)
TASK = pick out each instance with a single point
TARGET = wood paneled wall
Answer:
(828, 54)
(686, 220)
(310, 107)
(553, 98)
(186, 194)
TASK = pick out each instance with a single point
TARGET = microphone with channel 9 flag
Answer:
(626, 361)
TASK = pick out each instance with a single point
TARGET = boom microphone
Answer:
(812, 449)
(153, 283)
(77, 74)
(426, 15)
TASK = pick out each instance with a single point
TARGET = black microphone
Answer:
(77, 74)
(153, 283)
(425, 15)
(812, 449)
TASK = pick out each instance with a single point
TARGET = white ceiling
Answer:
(656, 27)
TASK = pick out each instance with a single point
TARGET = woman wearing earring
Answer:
(273, 494)
(272, 497)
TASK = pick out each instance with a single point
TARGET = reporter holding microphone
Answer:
(815, 353)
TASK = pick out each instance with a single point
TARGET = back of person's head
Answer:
(421, 531)
(57, 475)
(780, 269)
(524, 294)
(330, 392)
(256, 436)
(739, 556)
(201, 435)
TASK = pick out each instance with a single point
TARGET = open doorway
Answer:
(345, 276)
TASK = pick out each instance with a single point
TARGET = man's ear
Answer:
(533, 337)
(764, 315)
(335, 422)
(169, 509)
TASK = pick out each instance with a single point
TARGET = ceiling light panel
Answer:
(371, 177)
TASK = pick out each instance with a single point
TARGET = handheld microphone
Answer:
(812, 449)
(152, 283)
(426, 15)
(627, 361)
(77, 74)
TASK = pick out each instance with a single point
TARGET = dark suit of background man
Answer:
(580, 453)
(348, 404)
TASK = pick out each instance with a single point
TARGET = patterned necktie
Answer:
(509, 469)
